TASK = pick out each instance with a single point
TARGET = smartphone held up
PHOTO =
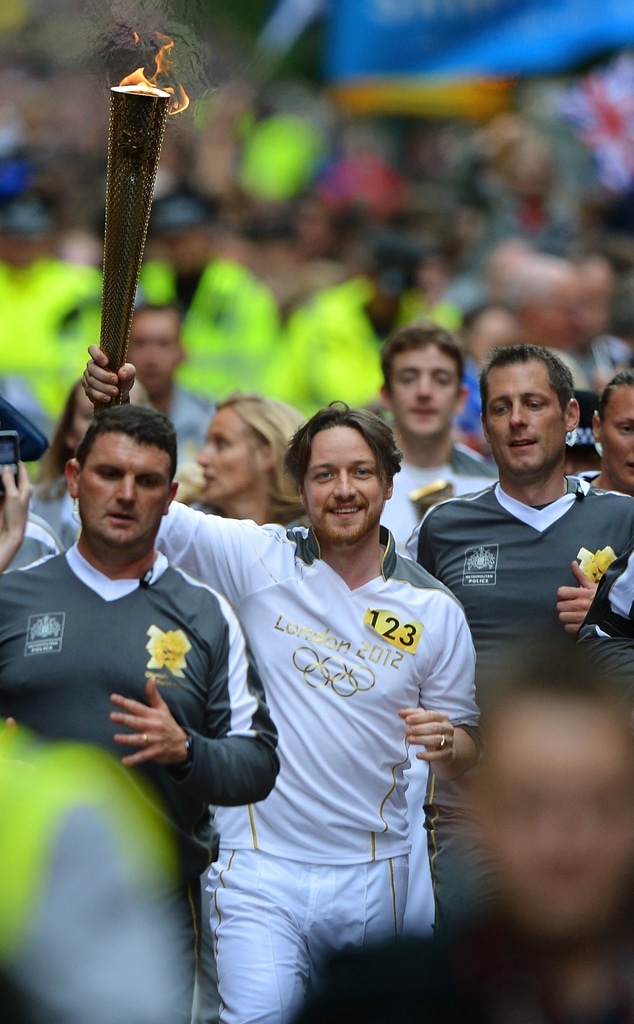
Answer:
(9, 453)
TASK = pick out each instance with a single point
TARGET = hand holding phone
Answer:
(9, 454)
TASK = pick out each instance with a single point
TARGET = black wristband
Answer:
(189, 747)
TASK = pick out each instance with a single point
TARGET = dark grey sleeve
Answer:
(612, 658)
(606, 638)
(234, 758)
(233, 769)
(425, 554)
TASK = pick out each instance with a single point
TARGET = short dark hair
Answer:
(625, 379)
(559, 376)
(373, 429)
(473, 314)
(417, 335)
(156, 307)
(144, 425)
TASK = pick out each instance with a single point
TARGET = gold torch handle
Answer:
(135, 137)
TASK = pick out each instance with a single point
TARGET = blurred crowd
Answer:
(291, 239)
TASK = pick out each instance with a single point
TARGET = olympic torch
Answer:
(138, 113)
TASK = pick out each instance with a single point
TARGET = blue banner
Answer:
(467, 38)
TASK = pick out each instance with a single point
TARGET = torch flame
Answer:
(141, 83)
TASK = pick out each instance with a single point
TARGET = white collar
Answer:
(110, 590)
(541, 518)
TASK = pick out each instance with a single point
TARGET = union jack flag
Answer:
(601, 108)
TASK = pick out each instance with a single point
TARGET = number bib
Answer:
(400, 634)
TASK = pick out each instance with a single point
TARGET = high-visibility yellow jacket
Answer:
(331, 351)
(49, 314)
(40, 784)
(231, 331)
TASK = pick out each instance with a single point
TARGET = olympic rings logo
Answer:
(332, 671)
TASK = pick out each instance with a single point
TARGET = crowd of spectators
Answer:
(291, 238)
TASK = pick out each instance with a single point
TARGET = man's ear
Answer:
(71, 472)
(484, 428)
(573, 413)
(170, 497)
(596, 427)
(385, 396)
(302, 495)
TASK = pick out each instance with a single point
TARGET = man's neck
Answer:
(537, 493)
(116, 565)
(357, 564)
(425, 453)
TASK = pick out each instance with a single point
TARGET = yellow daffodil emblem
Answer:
(168, 650)
(594, 565)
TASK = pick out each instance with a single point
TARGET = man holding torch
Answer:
(362, 655)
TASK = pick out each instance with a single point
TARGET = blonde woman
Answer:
(243, 456)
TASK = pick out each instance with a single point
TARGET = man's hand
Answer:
(14, 507)
(431, 729)
(449, 750)
(153, 728)
(101, 384)
(573, 602)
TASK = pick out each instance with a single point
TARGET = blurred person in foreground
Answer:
(354, 680)
(169, 677)
(555, 803)
(87, 931)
